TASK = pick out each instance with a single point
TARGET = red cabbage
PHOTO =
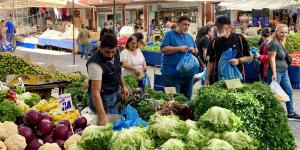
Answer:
(80, 122)
(66, 123)
(48, 138)
(44, 127)
(34, 145)
(32, 117)
(61, 131)
(26, 132)
(46, 116)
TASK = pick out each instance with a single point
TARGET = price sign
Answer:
(170, 90)
(21, 81)
(1, 84)
(233, 83)
(65, 102)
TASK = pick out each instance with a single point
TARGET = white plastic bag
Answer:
(279, 92)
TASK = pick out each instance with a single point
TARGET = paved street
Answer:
(63, 62)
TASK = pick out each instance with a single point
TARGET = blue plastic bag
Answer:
(129, 118)
(226, 70)
(6, 47)
(188, 65)
(147, 82)
(254, 52)
(203, 77)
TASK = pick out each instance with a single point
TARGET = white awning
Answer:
(248, 5)
(43, 3)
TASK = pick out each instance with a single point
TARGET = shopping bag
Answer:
(129, 118)
(6, 47)
(226, 70)
(279, 92)
(188, 65)
(146, 80)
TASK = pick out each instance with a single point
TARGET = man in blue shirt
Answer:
(10, 31)
(175, 43)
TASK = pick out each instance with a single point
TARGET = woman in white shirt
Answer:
(133, 60)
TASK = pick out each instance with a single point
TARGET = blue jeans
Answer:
(284, 81)
(84, 50)
(183, 85)
(10, 39)
(109, 101)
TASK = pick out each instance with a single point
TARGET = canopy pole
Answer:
(114, 19)
(73, 32)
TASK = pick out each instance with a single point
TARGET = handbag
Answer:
(287, 58)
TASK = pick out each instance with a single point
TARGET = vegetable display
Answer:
(9, 137)
(12, 64)
(173, 144)
(79, 93)
(256, 106)
(96, 137)
(220, 120)
(131, 81)
(9, 111)
(217, 144)
(132, 138)
(163, 128)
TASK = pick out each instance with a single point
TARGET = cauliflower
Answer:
(2, 146)
(50, 146)
(73, 140)
(7, 128)
(15, 142)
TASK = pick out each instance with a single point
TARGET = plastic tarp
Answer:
(248, 5)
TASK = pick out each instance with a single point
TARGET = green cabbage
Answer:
(240, 140)
(96, 137)
(135, 138)
(173, 144)
(220, 119)
(30, 99)
(194, 140)
(191, 124)
(217, 144)
(163, 128)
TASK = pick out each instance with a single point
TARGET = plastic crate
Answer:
(294, 74)
(152, 58)
(295, 85)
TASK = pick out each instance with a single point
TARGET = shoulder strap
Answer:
(241, 41)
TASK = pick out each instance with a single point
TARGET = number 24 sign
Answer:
(65, 102)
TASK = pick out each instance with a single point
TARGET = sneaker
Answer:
(293, 116)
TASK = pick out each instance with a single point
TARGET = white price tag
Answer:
(65, 102)
(1, 84)
(170, 90)
(233, 83)
(21, 81)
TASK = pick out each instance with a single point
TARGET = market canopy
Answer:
(111, 2)
(42, 3)
(248, 5)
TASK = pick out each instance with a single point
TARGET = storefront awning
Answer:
(248, 5)
(111, 2)
(43, 3)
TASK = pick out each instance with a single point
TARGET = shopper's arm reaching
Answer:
(96, 89)
(124, 88)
